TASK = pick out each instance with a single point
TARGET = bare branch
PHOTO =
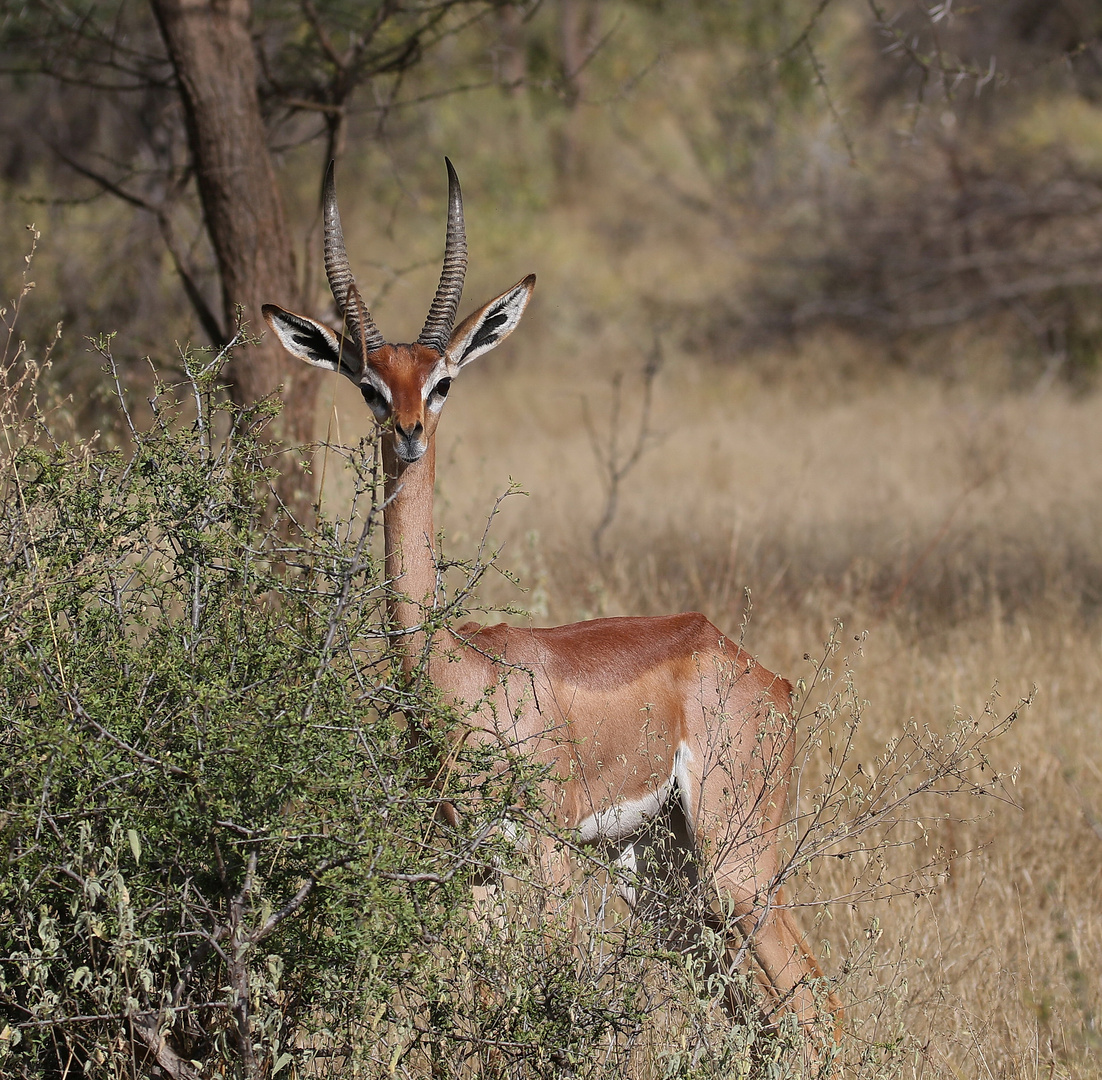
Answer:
(300, 897)
(169, 1060)
(211, 324)
(614, 465)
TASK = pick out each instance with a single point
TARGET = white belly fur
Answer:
(629, 816)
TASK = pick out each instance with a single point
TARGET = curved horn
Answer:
(361, 326)
(438, 326)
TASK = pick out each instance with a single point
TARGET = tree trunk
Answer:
(212, 52)
(577, 33)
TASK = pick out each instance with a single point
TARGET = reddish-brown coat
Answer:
(404, 369)
(609, 705)
(609, 701)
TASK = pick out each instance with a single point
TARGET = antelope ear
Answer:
(314, 342)
(490, 325)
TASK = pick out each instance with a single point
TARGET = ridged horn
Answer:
(438, 326)
(361, 326)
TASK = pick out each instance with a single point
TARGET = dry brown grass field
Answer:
(953, 530)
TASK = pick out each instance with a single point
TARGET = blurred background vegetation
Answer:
(833, 267)
(749, 173)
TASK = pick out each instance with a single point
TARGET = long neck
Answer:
(408, 541)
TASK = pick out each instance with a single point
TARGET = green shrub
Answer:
(220, 842)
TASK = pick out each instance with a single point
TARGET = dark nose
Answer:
(410, 434)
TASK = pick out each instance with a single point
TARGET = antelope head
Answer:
(405, 386)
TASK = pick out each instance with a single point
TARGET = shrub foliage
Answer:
(221, 848)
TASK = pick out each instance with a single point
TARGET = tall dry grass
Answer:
(955, 533)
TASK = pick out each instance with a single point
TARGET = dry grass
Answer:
(960, 529)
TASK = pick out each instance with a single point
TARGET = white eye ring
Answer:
(438, 393)
(376, 401)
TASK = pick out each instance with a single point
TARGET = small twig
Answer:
(84, 717)
(300, 897)
(211, 323)
(176, 1066)
(614, 465)
(805, 34)
(820, 79)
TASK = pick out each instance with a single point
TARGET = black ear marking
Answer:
(314, 342)
(488, 326)
(310, 338)
(487, 333)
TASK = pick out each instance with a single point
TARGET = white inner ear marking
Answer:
(488, 326)
(295, 332)
(493, 326)
(313, 341)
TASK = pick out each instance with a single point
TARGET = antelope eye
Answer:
(440, 390)
(375, 401)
